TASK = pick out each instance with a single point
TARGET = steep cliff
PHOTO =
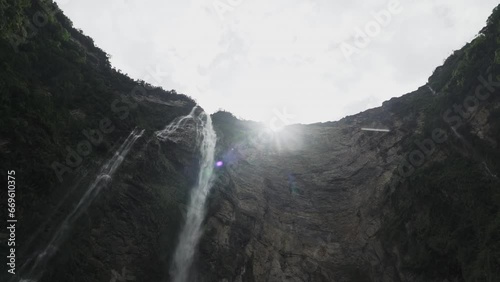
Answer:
(64, 113)
(319, 202)
(330, 202)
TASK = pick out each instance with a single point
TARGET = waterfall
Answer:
(489, 171)
(171, 130)
(474, 153)
(432, 90)
(40, 260)
(191, 231)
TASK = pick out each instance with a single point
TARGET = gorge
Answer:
(407, 191)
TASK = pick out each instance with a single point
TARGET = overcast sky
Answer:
(259, 59)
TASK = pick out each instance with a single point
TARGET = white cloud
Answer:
(267, 55)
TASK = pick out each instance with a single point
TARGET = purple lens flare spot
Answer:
(219, 163)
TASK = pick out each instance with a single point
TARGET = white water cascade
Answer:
(38, 263)
(475, 154)
(171, 131)
(191, 232)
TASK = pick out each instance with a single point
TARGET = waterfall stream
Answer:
(39, 261)
(191, 231)
(474, 153)
(171, 130)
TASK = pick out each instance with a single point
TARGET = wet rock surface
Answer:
(308, 203)
(302, 211)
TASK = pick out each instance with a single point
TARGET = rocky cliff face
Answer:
(330, 202)
(64, 113)
(132, 224)
(311, 203)
(303, 204)
(305, 210)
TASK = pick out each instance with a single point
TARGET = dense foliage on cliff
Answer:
(445, 217)
(59, 94)
(58, 91)
(55, 83)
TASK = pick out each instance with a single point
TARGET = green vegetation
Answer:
(446, 222)
(56, 84)
(445, 218)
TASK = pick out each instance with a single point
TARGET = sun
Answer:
(276, 126)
